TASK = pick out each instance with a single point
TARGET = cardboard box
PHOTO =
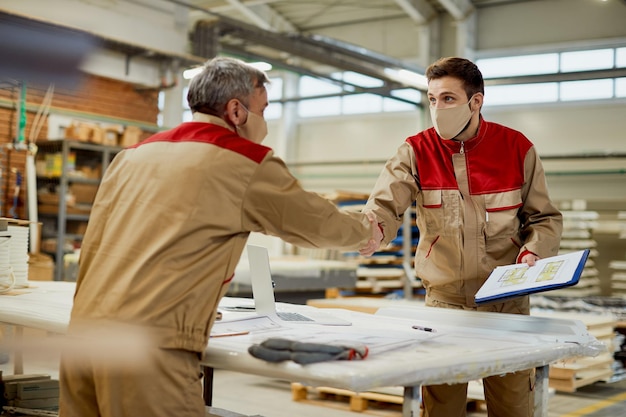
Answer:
(40, 267)
(76, 227)
(80, 131)
(83, 193)
(112, 134)
(131, 136)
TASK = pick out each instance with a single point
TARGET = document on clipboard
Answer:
(511, 281)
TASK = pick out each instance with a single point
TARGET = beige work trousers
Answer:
(167, 383)
(510, 395)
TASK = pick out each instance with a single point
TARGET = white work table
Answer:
(466, 345)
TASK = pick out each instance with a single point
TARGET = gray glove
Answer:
(279, 350)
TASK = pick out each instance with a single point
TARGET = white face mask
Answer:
(451, 121)
(254, 128)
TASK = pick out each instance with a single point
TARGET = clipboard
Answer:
(510, 281)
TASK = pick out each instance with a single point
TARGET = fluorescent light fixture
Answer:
(263, 66)
(188, 74)
(409, 78)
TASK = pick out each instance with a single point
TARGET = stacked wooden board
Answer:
(577, 235)
(571, 374)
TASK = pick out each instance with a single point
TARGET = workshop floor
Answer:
(272, 398)
(253, 395)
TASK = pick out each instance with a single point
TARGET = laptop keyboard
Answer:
(290, 316)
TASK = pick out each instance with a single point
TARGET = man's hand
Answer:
(377, 236)
(530, 259)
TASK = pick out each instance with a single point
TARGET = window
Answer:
(309, 87)
(586, 90)
(620, 57)
(587, 60)
(553, 63)
(359, 79)
(620, 87)
(187, 113)
(391, 105)
(319, 107)
(274, 93)
(519, 65)
(273, 111)
(350, 103)
(521, 94)
(408, 94)
(362, 103)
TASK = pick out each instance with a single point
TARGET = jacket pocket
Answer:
(432, 198)
(439, 211)
(501, 209)
(502, 226)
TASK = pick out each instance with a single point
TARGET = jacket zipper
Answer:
(462, 151)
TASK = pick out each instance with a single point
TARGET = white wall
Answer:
(364, 142)
(526, 25)
(161, 27)
(565, 129)
(575, 129)
(396, 37)
(354, 138)
(550, 22)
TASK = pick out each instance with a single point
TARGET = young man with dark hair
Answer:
(482, 201)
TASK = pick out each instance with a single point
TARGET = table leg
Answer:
(18, 358)
(541, 391)
(412, 401)
(208, 385)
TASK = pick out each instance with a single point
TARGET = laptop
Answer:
(263, 293)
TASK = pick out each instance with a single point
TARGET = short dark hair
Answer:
(461, 68)
(221, 80)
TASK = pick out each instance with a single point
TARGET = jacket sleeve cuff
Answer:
(382, 231)
(521, 255)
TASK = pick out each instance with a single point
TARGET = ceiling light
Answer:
(408, 78)
(263, 66)
(189, 73)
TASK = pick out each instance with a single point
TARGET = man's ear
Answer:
(234, 112)
(477, 101)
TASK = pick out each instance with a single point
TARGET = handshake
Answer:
(377, 236)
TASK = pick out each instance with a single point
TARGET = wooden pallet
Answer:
(362, 402)
(387, 402)
(382, 280)
(568, 376)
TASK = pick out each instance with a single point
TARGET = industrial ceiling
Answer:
(307, 16)
(285, 33)
(288, 34)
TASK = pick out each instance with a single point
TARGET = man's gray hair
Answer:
(221, 80)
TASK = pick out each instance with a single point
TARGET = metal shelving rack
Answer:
(94, 152)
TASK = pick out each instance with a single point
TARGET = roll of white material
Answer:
(5, 244)
(18, 254)
(7, 279)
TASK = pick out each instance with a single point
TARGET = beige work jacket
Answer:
(170, 221)
(480, 204)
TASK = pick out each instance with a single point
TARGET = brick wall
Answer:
(92, 98)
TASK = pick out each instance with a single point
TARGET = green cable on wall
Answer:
(21, 128)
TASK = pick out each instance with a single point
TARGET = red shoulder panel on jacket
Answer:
(494, 159)
(210, 134)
